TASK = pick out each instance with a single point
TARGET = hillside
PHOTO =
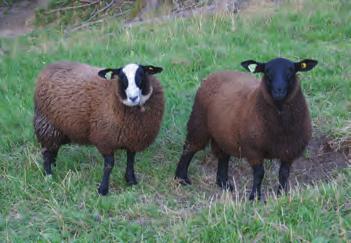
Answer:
(67, 206)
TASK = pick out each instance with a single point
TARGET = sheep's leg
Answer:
(50, 139)
(222, 170)
(49, 157)
(196, 139)
(222, 173)
(108, 166)
(284, 172)
(130, 176)
(258, 174)
(183, 165)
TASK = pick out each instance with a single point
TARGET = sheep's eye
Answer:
(138, 81)
(124, 82)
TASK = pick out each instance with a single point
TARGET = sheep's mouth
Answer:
(139, 101)
(130, 103)
(279, 96)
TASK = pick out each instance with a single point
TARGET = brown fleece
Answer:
(235, 111)
(73, 104)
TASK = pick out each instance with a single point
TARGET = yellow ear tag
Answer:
(303, 65)
(108, 75)
(252, 67)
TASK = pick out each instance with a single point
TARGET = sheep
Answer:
(112, 109)
(252, 119)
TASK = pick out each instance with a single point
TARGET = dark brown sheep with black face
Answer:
(77, 103)
(248, 118)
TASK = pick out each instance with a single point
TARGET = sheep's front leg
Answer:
(130, 176)
(258, 174)
(109, 162)
(284, 172)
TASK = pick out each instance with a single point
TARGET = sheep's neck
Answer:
(284, 117)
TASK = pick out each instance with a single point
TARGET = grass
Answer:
(67, 207)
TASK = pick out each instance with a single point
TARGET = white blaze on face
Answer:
(133, 92)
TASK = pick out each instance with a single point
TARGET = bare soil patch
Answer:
(319, 163)
(18, 19)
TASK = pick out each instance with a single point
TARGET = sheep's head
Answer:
(134, 85)
(279, 75)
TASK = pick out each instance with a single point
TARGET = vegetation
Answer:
(67, 206)
(8, 2)
(66, 13)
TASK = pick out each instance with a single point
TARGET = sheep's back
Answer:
(63, 96)
(227, 97)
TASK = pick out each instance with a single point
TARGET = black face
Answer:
(279, 74)
(279, 77)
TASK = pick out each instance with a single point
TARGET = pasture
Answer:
(67, 207)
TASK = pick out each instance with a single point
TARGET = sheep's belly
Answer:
(287, 148)
(286, 151)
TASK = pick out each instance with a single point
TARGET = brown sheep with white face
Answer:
(77, 103)
(248, 118)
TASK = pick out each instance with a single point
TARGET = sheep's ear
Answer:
(305, 65)
(253, 66)
(151, 69)
(108, 73)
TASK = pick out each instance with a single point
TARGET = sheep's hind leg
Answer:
(130, 176)
(49, 157)
(50, 139)
(197, 138)
(284, 172)
(258, 174)
(109, 162)
(183, 165)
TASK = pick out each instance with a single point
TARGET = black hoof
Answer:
(131, 180)
(48, 173)
(281, 191)
(253, 197)
(183, 180)
(225, 185)
(103, 190)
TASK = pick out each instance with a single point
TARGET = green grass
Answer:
(67, 207)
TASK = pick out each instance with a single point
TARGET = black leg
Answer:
(130, 176)
(49, 158)
(183, 165)
(108, 166)
(222, 173)
(284, 172)
(258, 174)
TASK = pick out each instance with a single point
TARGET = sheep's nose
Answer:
(133, 99)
